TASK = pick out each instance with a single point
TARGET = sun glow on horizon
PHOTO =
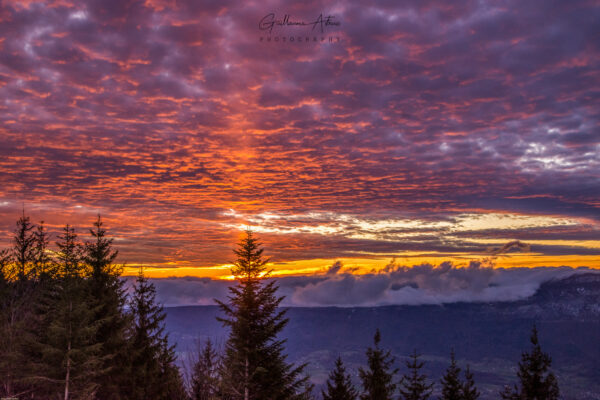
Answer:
(376, 264)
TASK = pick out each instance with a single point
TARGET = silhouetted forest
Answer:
(68, 330)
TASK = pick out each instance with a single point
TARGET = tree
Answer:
(469, 391)
(69, 256)
(254, 366)
(15, 312)
(42, 262)
(99, 254)
(414, 385)
(377, 379)
(153, 373)
(70, 358)
(536, 382)
(339, 385)
(24, 246)
(170, 379)
(510, 394)
(11, 324)
(452, 387)
(106, 288)
(205, 378)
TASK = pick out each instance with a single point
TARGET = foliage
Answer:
(254, 365)
(451, 385)
(469, 391)
(205, 374)
(535, 379)
(339, 385)
(414, 384)
(153, 371)
(377, 380)
(108, 294)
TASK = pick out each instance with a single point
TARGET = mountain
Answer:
(488, 336)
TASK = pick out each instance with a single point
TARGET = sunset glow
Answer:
(427, 134)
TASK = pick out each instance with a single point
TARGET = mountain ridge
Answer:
(489, 336)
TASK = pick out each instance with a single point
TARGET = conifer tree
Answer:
(205, 379)
(172, 386)
(414, 384)
(69, 256)
(377, 380)
(70, 357)
(339, 385)
(535, 380)
(469, 391)
(254, 366)
(153, 373)
(24, 246)
(106, 288)
(42, 262)
(508, 393)
(452, 387)
(16, 307)
(10, 324)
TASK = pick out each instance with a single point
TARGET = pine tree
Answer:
(254, 366)
(535, 380)
(99, 254)
(24, 247)
(106, 288)
(508, 393)
(42, 262)
(414, 385)
(339, 385)
(11, 324)
(17, 302)
(205, 379)
(452, 387)
(69, 256)
(377, 380)
(70, 357)
(469, 391)
(172, 386)
(153, 373)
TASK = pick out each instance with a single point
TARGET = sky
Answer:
(457, 135)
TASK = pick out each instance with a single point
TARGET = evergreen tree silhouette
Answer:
(70, 358)
(42, 262)
(24, 247)
(19, 297)
(205, 378)
(377, 380)
(339, 385)
(414, 385)
(13, 306)
(452, 388)
(153, 373)
(469, 391)
(536, 382)
(254, 365)
(106, 288)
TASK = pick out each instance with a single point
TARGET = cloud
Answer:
(397, 285)
(335, 268)
(515, 244)
(164, 115)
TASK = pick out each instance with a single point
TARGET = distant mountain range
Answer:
(488, 336)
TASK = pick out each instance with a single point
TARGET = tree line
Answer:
(378, 380)
(68, 330)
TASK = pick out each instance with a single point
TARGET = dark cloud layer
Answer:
(164, 115)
